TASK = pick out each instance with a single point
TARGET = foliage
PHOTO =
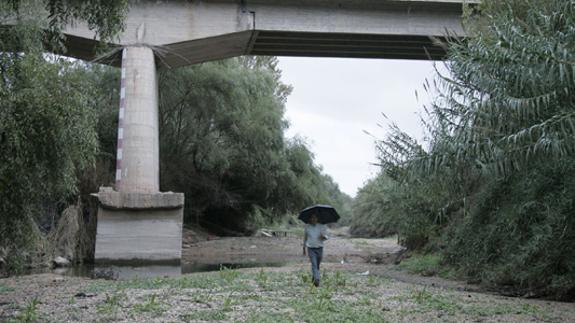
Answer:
(46, 123)
(222, 144)
(492, 191)
(105, 17)
(372, 209)
(426, 265)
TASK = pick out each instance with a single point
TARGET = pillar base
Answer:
(139, 228)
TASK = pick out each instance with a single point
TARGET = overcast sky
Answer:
(334, 100)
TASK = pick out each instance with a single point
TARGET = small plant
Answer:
(111, 304)
(29, 313)
(339, 279)
(262, 278)
(305, 278)
(228, 274)
(372, 280)
(228, 303)
(422, 296)
(152, 305)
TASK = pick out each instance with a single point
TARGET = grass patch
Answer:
(263, 279)
(434, 301)
(110, 304)
(425, 265)
(205, 315)
(359, 243)
(205, 281)
(498, 309)
(152, 305)
(228, 274)
(427, 301)
(6, 288)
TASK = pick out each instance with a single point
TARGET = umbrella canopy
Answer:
(325, 214)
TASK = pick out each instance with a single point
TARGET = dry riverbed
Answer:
(356, 290)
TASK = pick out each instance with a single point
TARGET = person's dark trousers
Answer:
(315, 255)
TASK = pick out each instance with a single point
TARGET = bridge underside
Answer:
(266, 43)
(184, 33)
(347, 45)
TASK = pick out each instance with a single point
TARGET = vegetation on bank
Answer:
(492, 192)
(47, 117)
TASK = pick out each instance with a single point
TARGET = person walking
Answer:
(314, 236)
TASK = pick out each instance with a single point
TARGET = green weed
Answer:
(229, 301)
(228, 274)
(262, 278)
(152, 305)
(110, 304)
(29, 314)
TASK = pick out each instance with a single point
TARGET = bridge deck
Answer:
(185, 32)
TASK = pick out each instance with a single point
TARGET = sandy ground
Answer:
(373, 290)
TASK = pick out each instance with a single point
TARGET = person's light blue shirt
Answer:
(313, 233)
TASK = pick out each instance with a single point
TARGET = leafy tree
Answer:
(493, 188)
(47, 120)
(222, 135)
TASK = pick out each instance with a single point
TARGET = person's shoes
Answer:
(316, 283)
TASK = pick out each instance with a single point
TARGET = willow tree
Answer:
(496, 179)
(222, 143)
(47, 120)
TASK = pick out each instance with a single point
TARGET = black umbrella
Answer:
(325, 214)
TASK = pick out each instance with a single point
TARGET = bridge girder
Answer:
(190, 32)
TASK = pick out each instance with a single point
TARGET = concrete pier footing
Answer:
(137, 224)
(139, 228)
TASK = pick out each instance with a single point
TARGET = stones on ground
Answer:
(61, 262)
(264, 233)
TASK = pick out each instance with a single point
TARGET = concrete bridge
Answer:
(136, 220)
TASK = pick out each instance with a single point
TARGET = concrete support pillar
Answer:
(137, 224)
(138, 163)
